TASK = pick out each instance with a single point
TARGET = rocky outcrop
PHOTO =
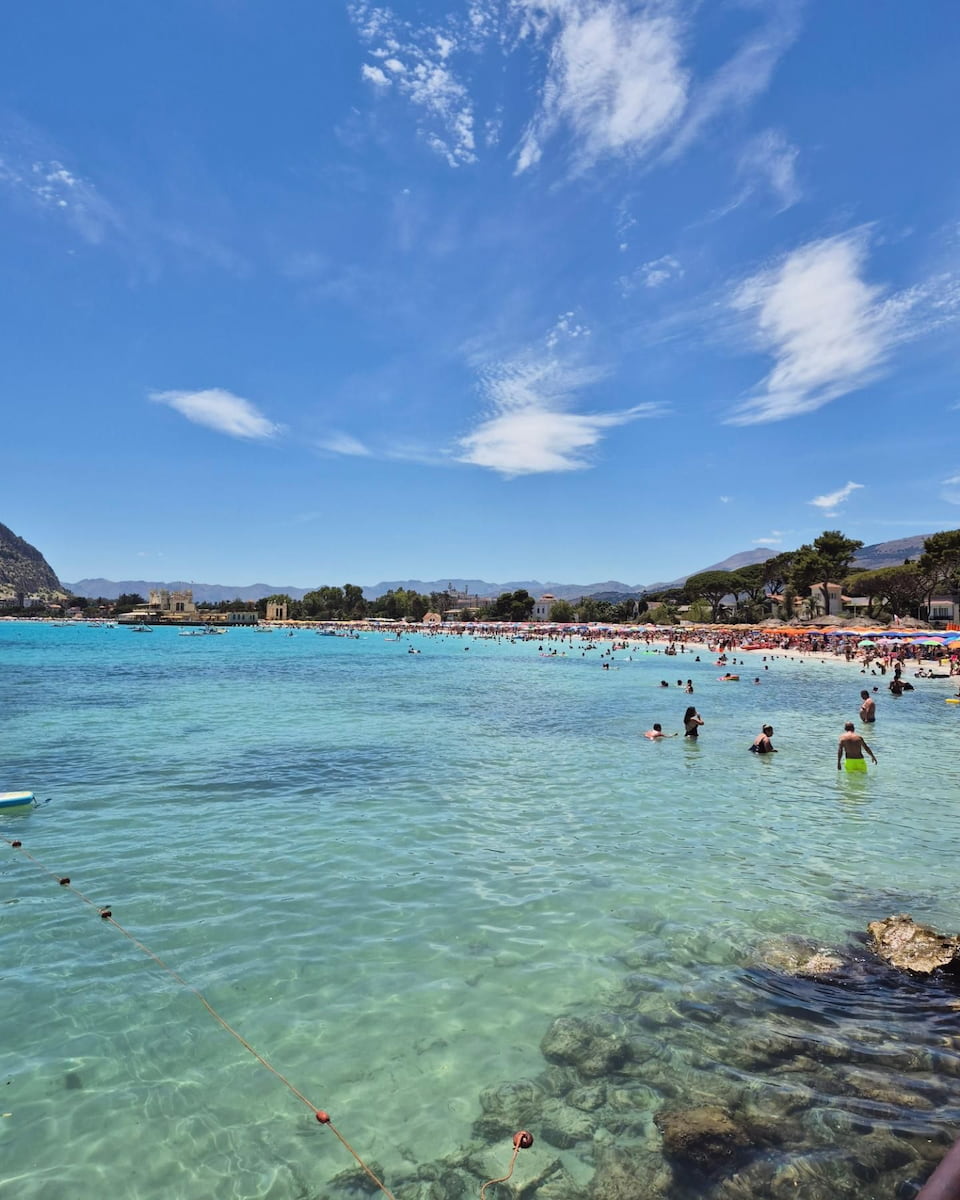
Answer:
(904, 944)
(23, 569)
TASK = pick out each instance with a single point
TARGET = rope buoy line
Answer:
(521, 1140)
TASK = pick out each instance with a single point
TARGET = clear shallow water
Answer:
(392, 872)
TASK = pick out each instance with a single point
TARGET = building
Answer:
(276, 610)
(163, 601)
(541, 607)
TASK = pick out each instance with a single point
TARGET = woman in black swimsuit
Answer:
(691, 722)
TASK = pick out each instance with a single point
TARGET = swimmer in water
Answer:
(656, 733)
(851, 747)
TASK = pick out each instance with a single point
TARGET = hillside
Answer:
(880, 554)
(23, 569)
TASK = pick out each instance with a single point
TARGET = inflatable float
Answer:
(17, 799)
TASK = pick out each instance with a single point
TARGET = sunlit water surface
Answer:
(391, 872)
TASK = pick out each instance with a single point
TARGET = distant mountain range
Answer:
(882, 554)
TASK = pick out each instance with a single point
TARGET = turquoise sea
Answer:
(393, 873)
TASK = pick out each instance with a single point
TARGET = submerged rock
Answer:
(904, 944)
(508, 1107)
(796, 956)
(630, 1174)
(592, 1047)
(707, 1138)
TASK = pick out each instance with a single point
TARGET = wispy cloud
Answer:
(770, 161)
(418, 63)
(951, 489)
(651, 274)
(827, 328)
(614, 80)
(743, 77)
(773, 538)
(220, 410)
(51, 187)
(344, 443)
(831, 501)
(530, 427)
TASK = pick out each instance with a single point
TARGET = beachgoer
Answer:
(663, 683)
(851, 747)
(895, 686)
(762, 743)
(689, 688)
(656, 733)
(691, 722)
(868, 709)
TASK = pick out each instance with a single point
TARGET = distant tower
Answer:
(276, 610)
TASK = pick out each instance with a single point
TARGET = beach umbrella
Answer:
(866, 642)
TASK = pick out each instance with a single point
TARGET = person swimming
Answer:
(656, 733)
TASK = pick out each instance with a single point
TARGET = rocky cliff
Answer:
(23, 569)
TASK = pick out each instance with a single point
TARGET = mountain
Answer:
(882, 554)
(746, 558)
(203, 593)
(890, 554)
(23, 569)
(480, 587)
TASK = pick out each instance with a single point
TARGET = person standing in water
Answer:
(851, 747)
(691, 722)
(868, 709)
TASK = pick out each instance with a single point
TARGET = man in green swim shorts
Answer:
(851, 747)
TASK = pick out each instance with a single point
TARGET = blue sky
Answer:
(315, 292)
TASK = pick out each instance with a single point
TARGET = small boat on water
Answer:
(140, 629)
(17, 800)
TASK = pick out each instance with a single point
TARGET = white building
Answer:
(541, 607)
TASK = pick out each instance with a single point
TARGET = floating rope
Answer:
(521, 1140)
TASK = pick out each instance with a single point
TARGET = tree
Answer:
(561, 611)
(897, 590)
(354, 605)
(512, 606)
(127, 601)
(754, 588)
(713, 586)
(776, 571)
(827, 560)
(940, 561)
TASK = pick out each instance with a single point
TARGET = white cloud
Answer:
(344, 443)
(773, 538)
(530, 428)
(218, 409)
(725, 499)
(420, 60)
(830, 501)
(827, 328)
(614, 79)
(375, 75)
(567, 327)
(50, 186)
